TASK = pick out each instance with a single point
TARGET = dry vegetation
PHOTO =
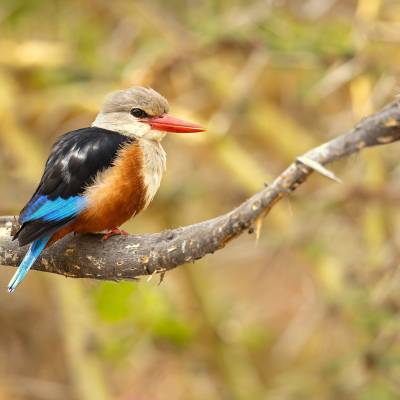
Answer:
(312, 310)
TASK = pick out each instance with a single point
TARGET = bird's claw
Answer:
(114, 232)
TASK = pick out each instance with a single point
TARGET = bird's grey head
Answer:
(140, 112)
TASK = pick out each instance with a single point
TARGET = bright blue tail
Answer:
(33, 253)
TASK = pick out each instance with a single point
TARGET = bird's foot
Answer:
(114, 232)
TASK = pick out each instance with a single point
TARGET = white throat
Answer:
(154, 164)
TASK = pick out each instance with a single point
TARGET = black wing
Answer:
(74, 162)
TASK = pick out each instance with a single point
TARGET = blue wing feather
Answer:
(48, 211)
(53, 210)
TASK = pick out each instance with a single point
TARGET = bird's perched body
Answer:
(96, 178)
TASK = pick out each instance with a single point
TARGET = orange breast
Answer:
(116, 195)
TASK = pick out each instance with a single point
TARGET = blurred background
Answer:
(311, 311)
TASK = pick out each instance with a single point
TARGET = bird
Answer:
(98, 177)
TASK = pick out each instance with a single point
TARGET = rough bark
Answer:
(127, 257)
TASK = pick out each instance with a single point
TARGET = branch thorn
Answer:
(317, 167)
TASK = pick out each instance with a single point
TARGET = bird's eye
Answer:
(138, 113)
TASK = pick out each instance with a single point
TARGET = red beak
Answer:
(167, 123)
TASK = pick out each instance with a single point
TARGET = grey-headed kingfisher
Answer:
(98, 177)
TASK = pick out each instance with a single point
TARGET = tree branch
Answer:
(127, 257)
